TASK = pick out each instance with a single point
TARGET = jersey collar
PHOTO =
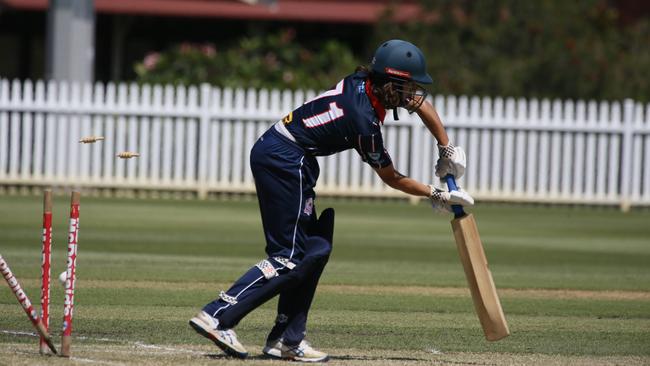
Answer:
(376, 105)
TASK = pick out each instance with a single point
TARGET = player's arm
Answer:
(399, 181)
(372, 151)
(432, 121)
(451, 158)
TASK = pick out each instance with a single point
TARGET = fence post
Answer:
(4, 127)
(204, 125)
(626, 157)
(416, 154)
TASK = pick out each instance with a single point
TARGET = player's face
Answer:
(412, 95)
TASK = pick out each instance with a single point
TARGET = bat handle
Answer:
(451, 184)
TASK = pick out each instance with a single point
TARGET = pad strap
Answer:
(267, 269)
(285, 262)
(227, 298)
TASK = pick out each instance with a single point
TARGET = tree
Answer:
(545, 48)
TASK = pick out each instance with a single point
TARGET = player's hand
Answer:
(452, 161)
(442, 200)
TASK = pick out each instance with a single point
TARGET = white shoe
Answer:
(273, 349)
(226, 339)
(303, 353)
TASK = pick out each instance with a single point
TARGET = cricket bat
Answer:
(479, 278)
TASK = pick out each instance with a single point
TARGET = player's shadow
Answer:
(370, 358)
(406, 359)
(221, 356)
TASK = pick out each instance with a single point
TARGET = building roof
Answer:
(328, 11)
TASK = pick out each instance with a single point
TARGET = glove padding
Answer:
(452, 161)
(442, 200)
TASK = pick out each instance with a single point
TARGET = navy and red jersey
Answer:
(347, 116)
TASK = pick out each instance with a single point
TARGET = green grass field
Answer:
(574, 283)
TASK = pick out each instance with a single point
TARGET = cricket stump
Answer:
(68, 304)
(45, 267)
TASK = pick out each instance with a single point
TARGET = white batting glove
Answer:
(442, 200)
(452, 161)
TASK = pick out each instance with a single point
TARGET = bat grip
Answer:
(451, 185)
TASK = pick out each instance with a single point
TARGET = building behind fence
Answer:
(198, 139)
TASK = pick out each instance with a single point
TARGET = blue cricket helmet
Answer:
(402, 60)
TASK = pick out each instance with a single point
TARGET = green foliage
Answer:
(270, 61)
(551, 48)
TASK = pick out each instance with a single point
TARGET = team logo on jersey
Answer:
(309, 206)
(288, 118)
(361, 88)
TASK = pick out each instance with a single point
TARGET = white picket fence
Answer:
(198, 139)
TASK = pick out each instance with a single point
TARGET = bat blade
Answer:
(479, 278)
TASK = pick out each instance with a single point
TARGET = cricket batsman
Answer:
(284, 165)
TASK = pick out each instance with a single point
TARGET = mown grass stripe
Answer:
(375, 290)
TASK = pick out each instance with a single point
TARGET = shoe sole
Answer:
(299, 359)
(224, 347)
(271, 354)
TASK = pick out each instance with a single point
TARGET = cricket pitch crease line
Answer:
(168, 349)
(136, 344)
(80, 359)
(89, 360)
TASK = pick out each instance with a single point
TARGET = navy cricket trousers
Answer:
(285, 177)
